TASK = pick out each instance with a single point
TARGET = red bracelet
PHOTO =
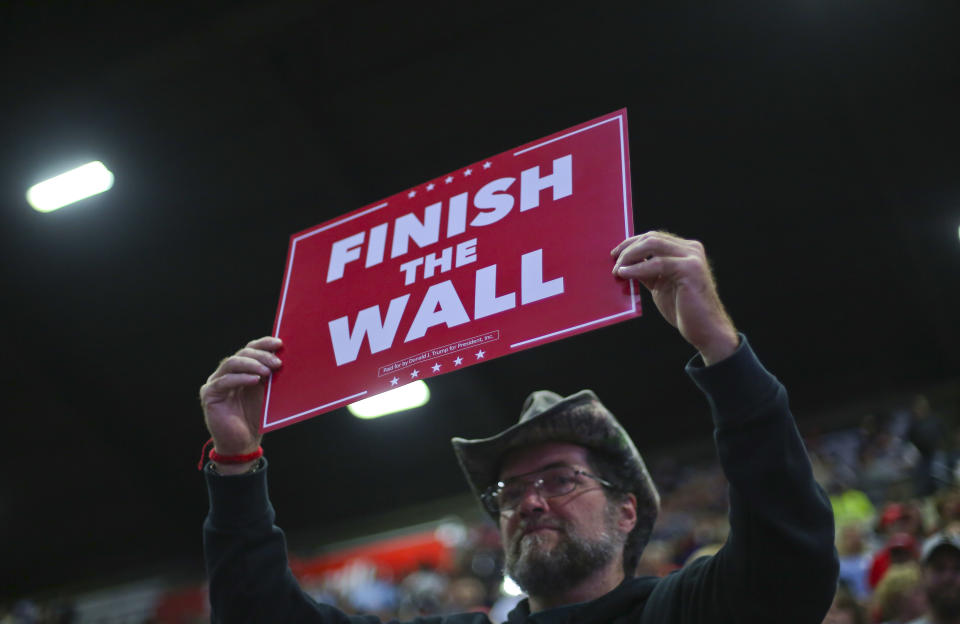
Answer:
(228, 459)
(235, 459)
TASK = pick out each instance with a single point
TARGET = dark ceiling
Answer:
(812, 145)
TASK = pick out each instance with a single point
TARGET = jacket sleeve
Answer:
(779, 563)
(246, 559)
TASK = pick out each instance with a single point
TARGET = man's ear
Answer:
(628, 513)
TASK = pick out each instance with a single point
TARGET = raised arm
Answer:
(780, 549)
(246, 554)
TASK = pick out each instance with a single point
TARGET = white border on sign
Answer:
(311, 410)
(626, 232)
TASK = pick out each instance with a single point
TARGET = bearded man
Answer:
(569, 490)
(940, 561)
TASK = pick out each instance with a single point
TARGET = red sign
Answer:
(505, 254)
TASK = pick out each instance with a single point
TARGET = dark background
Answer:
(812, 145)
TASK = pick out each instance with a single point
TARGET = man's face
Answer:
(941, 576)
(551, 544)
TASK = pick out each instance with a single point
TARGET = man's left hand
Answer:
(676, 272)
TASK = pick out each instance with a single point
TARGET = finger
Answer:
(240, 364)
(629, 241)
(662, 234)
(656, 244)
(267, 358)
(647, 273)
(266, 343)
(623, 245)
(228, 382)
(662, 243)
(651, 272)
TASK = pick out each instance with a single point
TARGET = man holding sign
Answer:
(573, 500)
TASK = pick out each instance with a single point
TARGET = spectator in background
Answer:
(851, 506)
(951, 461)
(948, 511)
(425, 592)
(926, 433)
(886, 461)
(899, 597)
(900, 548)
(845, 609)
(855, 559)
(902, 517)
(941, 579)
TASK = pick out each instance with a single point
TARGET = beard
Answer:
(542, 570)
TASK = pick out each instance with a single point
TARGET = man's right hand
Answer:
(232, 398)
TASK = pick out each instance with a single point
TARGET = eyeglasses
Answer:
(549, 483)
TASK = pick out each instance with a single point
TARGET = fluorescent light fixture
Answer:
(72, 186)
(403, 398)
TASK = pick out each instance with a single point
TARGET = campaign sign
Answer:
(504, 254)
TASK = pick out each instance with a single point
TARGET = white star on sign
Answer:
(411, 194)
(458, 361)
(448, 179)
(436, 367)
(468, 172)
(414, 374)
(394, 381)
(480, 354)
(486, 165)
(431, 186)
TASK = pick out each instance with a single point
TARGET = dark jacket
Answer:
(778, 565)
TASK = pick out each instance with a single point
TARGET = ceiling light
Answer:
(72, 186)
(403, 398)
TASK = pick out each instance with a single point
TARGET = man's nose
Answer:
(533, 500)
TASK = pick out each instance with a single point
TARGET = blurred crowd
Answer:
(894, 483)
(895, 488)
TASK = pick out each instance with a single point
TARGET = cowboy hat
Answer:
(579, 419)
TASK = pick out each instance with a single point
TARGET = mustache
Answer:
(534, 524)
(542, 524)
